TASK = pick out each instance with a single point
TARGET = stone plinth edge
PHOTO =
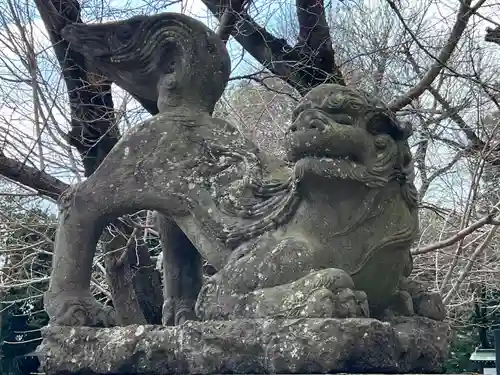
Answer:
(265, 346)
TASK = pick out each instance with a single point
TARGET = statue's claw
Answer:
(337, 297)
(168, 312)
(78, 309)
(321, 303)
(176, 312)
(351, 304)
(345, 303)
(429, 305)
(424, 303)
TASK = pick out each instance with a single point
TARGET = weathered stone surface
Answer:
(249, 346)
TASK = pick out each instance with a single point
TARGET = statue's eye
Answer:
(124, 33)
(342, 118)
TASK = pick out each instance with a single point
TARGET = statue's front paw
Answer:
(424, 303)
(327, 293)
(429, 305)
(351, 304)
(319, 304)
(344, 303)
(78, 309)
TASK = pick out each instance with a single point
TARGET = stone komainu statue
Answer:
(324, 234)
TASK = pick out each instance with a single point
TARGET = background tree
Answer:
(26, 234)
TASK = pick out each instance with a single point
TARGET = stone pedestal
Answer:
(265, 346)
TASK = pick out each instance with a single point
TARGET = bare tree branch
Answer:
(474, 140)
(486, 220)
(229, 18)
(465, 272)
(93, 131)
(40, 181)
(303, 66)
(463, 15)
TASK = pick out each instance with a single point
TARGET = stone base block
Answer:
(265, 346)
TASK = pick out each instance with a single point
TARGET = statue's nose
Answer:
(307, 122)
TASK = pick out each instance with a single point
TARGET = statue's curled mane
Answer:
(272, 202)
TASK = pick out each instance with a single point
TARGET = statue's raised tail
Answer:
(157, 57)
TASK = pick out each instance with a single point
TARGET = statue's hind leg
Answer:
(113, 190)
(68, 300)
(182, 273)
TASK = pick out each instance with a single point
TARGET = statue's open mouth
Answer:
(334, 140)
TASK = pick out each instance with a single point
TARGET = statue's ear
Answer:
(173, 63)
(382, 123)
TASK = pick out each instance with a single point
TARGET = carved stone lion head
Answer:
(347, 133)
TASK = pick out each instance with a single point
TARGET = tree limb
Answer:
(229, 18)
(315, 39)
(463, 16)
(308, 64)
(486, 220)
(470, 262)
(93, 132)
(40, 181)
